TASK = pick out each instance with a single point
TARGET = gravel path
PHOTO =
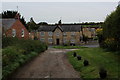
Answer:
(52, 63)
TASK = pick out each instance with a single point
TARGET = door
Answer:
(57, 41)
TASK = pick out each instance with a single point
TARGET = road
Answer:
(52, 63)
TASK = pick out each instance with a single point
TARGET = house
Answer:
(90, 32)
(60, 34)
(12, 27)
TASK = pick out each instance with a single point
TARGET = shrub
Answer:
(79, 57)
(16, 52)
(10, 54)
(86, 63)
(110, 44)
(103, 73)
(74, 54)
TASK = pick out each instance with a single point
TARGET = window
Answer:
(73, 33)
(64, 34)
(64, 40)
(93, 29)
(57, 33)
(50, 40)
(42, 39)
(13, 32)
(42, 33)
(50, 33)
(22, 34)
(72, 41)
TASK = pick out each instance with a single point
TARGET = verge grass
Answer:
(97, 58)
(69, 47)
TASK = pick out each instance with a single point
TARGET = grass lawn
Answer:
(97, 58)
(69, 47)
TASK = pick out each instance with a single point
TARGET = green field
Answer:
(68, 47)
(97, 58)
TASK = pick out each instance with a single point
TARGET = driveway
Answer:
(52, 63)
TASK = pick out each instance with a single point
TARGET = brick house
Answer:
(59, 34)
(14, 28)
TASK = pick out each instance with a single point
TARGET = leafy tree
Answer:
(32, 25)
(111, 29)
(42, 23)
(85, 38)
(9, 14)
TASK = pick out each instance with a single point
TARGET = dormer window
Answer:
(22, 34)
(13, 32)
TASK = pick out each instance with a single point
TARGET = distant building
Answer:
(14, 28)
(61, 34)
(58, 35)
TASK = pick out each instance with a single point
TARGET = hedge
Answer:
(16, 52)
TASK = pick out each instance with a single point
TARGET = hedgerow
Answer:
(16, 52)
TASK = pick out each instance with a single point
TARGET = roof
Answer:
(7, 23)
(71, 28)
(64, 28)
(46, 28)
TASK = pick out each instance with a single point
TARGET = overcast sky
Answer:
(69, 12)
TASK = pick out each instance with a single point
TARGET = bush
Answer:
(79, 57)
(16, 52)
(74, 54)
(10, 54)
(86, 63)
(103, 73)
(110, 44)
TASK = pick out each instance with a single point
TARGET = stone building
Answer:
(60, 34)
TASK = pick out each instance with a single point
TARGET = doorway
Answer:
(57, 41)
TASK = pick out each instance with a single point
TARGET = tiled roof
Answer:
(64, 28)
(7, 23)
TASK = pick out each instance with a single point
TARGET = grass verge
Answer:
(97, 58)
(68, 47)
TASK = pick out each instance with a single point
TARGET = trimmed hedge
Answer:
(16, 52)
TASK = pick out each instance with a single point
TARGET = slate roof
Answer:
(64, 28)
(46, 28)
(7, 23)
(71, 28)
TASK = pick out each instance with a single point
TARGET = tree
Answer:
(32, 25)
(9, 14)
(111, 30)
(42, 23)
(24, 22)
(85, 38)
